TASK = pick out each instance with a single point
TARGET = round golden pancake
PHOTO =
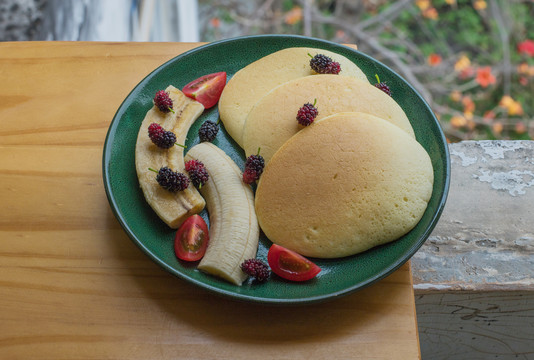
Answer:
(249, 84)
(344, 185)
(272, 121)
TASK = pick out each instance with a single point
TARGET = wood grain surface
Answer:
(73, 286)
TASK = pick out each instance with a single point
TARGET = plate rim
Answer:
(401, 260)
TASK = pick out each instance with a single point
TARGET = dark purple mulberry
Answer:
(171, 180)
(253, 168)
(307, 114)
(257, 269)
(323, 64)
(197, 172)
(382, 86)
(163, 102)
(208, 131)
(160, 137)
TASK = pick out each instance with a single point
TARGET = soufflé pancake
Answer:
(272, 120)
(249, 84)
(344, 185)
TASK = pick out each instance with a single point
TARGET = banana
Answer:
(234, 229)
(172, 208)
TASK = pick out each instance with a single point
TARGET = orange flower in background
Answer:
(434, 59)
(455, 95)
(497, 127)
(506, 100)
(513, 107)
(520, 127)
(458, 121)
(485, 77)
(462, 63)
(526, 47)
(431, 13)
(215, 22)
(523, 68)
(427, 10)
(451, 2)
(340, 34)
(467, 73)
(489, 115)
(469, 104)
(423, 4)
(293, 16)
(480, 4)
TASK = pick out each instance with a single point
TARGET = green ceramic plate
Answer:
(339, 276)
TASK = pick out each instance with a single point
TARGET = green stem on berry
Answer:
(180, 145)
(314, 102)
(259, 150)
(170, 108)
(218, 121)
(377, 78)
(153, 170)
(310, 55)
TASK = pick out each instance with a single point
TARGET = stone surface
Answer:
(474, 276)
(99, 20)
(485, 237)
(20, 19)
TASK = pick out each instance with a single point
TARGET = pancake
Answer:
(249, 84)
(344, 185)
(272, 121)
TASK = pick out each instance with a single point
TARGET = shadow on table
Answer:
(361, 314)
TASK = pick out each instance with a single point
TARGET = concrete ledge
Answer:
(474, 277)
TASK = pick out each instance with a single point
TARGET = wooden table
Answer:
(73, 286)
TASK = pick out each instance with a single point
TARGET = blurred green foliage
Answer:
(464, 53)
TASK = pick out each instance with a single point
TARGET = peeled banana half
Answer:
(172, 208)
(234, 229)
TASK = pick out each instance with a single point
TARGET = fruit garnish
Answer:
(253, 168)
(323, 64)
(172, 181)
(208, 131)
(256, 269)
(163, 102)
(185, 203)
(234, 229)
(307, 113)
(382, 86)
(290, 265)
(206, 89)
(191, 239)
(197, 172)
(162, 138)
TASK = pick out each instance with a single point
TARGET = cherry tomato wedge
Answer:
(206, 89)
(191, 239)
(290, 265)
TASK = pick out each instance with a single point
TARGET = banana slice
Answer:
(172, 208)
(234, 229)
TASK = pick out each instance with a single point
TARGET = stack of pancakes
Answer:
(354, 179)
